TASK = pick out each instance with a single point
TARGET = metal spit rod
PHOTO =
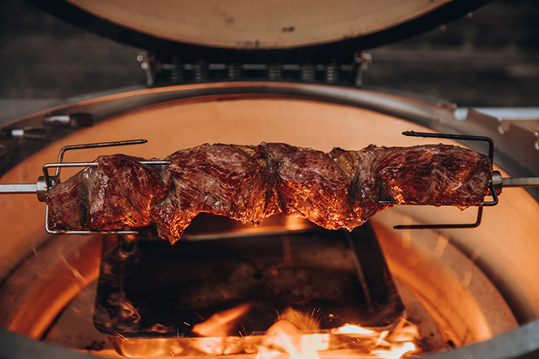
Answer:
(520, 182)
(46, 182)
(42, 186)
(33, 188)
(19, 188)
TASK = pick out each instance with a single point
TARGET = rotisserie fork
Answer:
(47, 181)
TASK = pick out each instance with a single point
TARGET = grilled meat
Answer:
(119, 192)
(68, 202)
(340, 189)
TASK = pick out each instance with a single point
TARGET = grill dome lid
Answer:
(231, 28)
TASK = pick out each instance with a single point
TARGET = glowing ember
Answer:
(284, 337)
(396, 351)
(387, 344)
(354, 329)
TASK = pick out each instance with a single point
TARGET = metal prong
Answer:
(95, 164)
(446, 226)
(86, 164)
(64, 149)
(98, 144)
(491, 184)
(456, 137)
(89, 164)
(46, 167)
(59, 231)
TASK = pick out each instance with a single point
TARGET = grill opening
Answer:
(148, 288)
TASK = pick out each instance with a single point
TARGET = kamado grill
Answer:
(413, 281)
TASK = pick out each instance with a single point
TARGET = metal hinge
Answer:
(172, 71)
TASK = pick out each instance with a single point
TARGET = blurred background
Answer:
(488, 58)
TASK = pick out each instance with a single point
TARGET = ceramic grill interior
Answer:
(237, 208)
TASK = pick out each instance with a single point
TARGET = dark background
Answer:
(488, 58)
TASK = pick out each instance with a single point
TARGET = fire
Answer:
(354, 329)
(388, 344)
(284, 337)
(285, 340)
(218, 324)
(288, 336)
(293, 336)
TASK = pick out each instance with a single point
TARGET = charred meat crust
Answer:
(340, 189)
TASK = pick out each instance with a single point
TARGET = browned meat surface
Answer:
(68, 202)
(225, 180)
(428, 174)
(341, 189)
(311, 184)
(433, 174)
(117, 193)
(171, 221)
(122, 192)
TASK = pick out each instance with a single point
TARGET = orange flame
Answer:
(284, 337)
(354, 329)
(219, 324)
(388, 344)
(294, 336)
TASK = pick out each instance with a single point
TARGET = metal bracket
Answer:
(171, 70)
